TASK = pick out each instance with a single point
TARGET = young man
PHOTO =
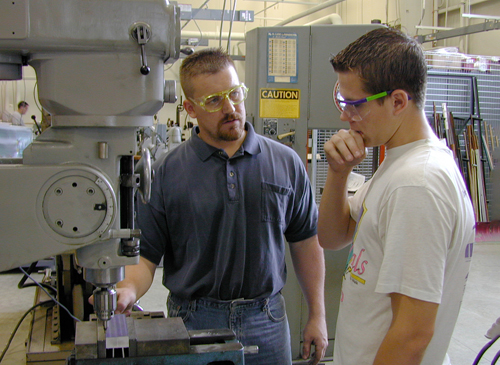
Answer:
(17, 116)
(221, 207)
(411, 226)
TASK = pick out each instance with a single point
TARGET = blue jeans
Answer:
(256, 322)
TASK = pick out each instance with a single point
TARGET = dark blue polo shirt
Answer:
(221, 222)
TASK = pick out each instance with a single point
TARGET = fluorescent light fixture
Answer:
(432, 28)
(478, 16)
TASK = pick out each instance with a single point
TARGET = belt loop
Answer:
(265, 308)
(192, 305)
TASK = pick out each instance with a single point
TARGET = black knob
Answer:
(145, 70)
(187, 51)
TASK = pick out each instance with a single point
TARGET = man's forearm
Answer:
(138, 277)
(410, 333)
(396, 349)
(309, 263)
(335, 225)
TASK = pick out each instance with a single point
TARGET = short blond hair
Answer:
(205, 61)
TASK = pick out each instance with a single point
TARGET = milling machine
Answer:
(100, 74)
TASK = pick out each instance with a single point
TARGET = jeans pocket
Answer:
(276, 310)
(274, 202)
(176, 309)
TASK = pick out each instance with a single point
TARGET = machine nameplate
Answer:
(282, 61)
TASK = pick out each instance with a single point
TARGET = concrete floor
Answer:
(480, 309)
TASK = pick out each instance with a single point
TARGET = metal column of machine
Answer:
(100, 74)
(73, 189)
(291, 84)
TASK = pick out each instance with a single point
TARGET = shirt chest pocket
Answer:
(274, 202)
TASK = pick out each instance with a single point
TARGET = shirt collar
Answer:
(203, 150)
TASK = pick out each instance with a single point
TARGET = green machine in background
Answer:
(291, 84)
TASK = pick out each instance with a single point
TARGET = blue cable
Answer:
(50, 296)
(483, 350)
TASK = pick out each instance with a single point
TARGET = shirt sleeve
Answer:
(151, 220)
(356, 201)
(304, 219)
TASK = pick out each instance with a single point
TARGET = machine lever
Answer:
(141, 32)
(144, 68)
(281, 136)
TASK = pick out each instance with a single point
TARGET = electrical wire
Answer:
(202, 5)
(270, 6)
(50, 296)
(14, 92)
(165, 69)
(484, 349)
(22, 285)
(35, 98)
(495, 359)
(222, 23)
(397, 14)
(9, 342)
(201, 33)
(387, 12)
(24, 91)
(231, 25)
(421, 18)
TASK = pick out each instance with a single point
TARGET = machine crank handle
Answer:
(251, 350)
(121, 233)
(143, 168)
(141, 32)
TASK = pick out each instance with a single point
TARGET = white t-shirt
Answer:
(414, 236)
(17, 118)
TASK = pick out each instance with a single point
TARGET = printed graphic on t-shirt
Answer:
(356, 266)
(468, 251)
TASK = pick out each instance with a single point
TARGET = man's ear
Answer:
(189, 108)
(399, 100)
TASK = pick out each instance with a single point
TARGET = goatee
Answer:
(235, 132)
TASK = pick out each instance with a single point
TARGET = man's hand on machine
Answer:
(125, 300)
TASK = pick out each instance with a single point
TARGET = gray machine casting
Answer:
(99, 67)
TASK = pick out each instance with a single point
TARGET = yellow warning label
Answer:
(279, 103)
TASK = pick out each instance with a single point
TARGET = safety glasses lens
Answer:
(214, 103)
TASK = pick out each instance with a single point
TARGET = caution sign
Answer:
(279, 103)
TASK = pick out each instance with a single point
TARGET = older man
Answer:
(221, 207)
